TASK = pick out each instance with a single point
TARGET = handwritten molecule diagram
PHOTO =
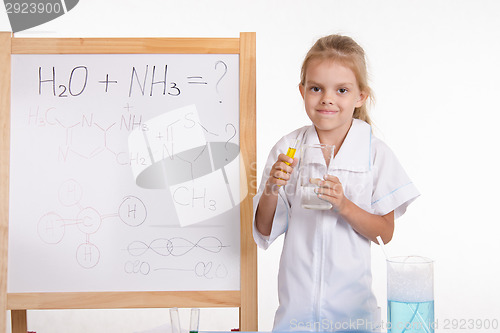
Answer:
(208, 270)
(202, 269)
(61, 84)
(90, 136)
(176, 247)
(203, 177)
(52, 227)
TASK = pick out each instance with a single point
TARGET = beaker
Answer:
(410, 295)
(315, 162)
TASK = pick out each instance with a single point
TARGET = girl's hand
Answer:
(331, 190)
(281, 171)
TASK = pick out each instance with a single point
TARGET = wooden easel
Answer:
(245, 298)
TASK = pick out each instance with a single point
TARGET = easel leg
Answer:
(19, 321)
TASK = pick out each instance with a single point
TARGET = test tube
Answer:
(174, 320)
(195, 320)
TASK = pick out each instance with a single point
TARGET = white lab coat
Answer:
(324, 280)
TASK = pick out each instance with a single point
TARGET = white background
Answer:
(434, 69)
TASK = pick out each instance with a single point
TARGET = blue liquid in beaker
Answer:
(410, 317)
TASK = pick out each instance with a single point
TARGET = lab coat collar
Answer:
(355, 152)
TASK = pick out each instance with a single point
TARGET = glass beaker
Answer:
(410, 295)
(315, 162)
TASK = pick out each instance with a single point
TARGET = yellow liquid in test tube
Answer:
(291, 150)
(290, 153)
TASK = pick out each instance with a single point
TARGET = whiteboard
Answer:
(124, 173)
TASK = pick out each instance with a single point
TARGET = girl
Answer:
(324, 276)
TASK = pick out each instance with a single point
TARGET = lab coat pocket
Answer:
(357, 187)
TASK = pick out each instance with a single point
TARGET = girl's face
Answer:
(331, 93)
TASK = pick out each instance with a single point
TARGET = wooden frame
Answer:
(246, 297)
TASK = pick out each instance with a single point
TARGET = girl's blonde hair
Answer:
(346, 51)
